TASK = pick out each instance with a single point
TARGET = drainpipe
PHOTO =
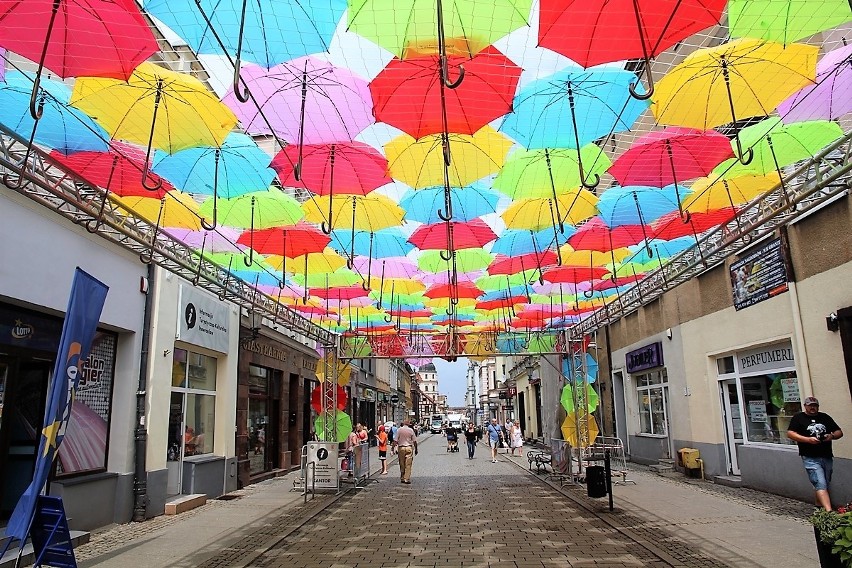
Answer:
(140, 474)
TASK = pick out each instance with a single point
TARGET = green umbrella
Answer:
(467, 260)
(548, 172)
(542, 343)
(785, 21)
(502, 281)
(356, 347)
(255, 210)
(343, 421)
(776, 145)
(412, 25)
(567, 398)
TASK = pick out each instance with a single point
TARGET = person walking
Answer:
(382, 442)
(471, 435)
(814, 431)
(495, 434)
(516, 438)
(406, 446)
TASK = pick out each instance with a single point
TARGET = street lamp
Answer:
(255, 321)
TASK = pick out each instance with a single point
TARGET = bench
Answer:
(541, 459)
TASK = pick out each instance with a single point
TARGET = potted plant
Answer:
(833, 532)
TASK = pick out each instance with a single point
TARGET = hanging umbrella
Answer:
(342, 168)
(461, 290)
(267, 32)
(338, 293)
(671, 226)
(708, 194)
(290, 241)
(355, 212)
(175, 209)
(235, 168)
(420, 163)
(471, 234)
(415, 83)
(752, 76)
(384, 243)
(671, 155)
(316, 398)
(585, 30)
(256, 210)
(570, 434)
(466, 260)
(76, 38)
(828, 98)
(469, 202)
(59, 127)
(531, 263)
(156, 107)
(587, 257)
(594, 234)
(338, 422)
(567, 398)
(549, 172)
(637, 205)
(572, 108)
(411, 26)
(785, 21)
(305, 101)
(512, 242)
(341, 277)
(392, 267)
(536, 214)
(118, 170)
(574, 274)
(223, 239)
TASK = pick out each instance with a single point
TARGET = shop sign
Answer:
(776, 357)
(759, 275)
(29, 330)
(323, 474)
(202, 320)
(757, 410)
(368, 394)
(266, 349)
(644, 358)
(790, 390)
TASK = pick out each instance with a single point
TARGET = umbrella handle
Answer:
(243, 94)
(157, 185)
(148, 255)
(446, 255)
(588, 294)
(207, 226)
(92, 225)
(746, 157)
(36, 109)
(650, 92)
(445, 76)
(593, 185)
(250, 260)
(7, 179)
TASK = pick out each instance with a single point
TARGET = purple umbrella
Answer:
(223, 239)
(829, 98)
(306, 100)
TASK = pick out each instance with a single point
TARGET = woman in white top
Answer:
(516, 436)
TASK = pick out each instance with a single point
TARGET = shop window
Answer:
(767, 401)
(725, 365)
(651, 389)
(193, 408)
(258, 418)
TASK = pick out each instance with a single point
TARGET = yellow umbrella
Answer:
(441, 303)
(420, 163)
(735, 80)
(175, 210)
(325, 367)
(708, 194)
(571, 257)
(396, 285)
(569, 431)
(362, 212)
(536, 214)
(319, 262)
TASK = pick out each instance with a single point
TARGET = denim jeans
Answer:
(471, 447)
(819, 471)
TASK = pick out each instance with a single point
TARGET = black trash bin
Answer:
(596, 481)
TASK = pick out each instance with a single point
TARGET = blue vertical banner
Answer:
(81, 321)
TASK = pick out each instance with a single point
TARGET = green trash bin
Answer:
(596, 481)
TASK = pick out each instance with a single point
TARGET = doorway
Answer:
(732, 415)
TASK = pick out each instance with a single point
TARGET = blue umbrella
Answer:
(383, 243)
(637, 204)
(517, 242)
(661, 249)
(61, 127)
(266, 32)
(511, 343)
(572, 108)
(469, 202)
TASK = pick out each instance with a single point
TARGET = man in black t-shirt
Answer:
(813, 431)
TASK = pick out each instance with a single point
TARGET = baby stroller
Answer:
(452, 440)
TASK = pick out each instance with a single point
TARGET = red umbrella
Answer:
(596, 235)
(471, 234)
(460, 290)
(290, 241)
(514, 264)
(119, 170)
(339, 293)
(406, 313)
(316, 399)
(592, 32)
(388, 345)
(575, 274)
(671, 226)
(343, 168)
(501, 302)
(74, 38)
(490, 80)
(670, 156)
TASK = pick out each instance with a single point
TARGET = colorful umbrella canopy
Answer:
(517, 242)
(485, 94)
(672, 226)
(175, 209)
(571, 108)
(594, 234)
(549, 172)
(708, 194)
(466, 260)
(365, 212)
(536, 214)
(255, 210)
(411, 26)
(314, 102)
(670, 156)
(383, 243)
(469, 203)
(470, 234)
(521, 263)
(636, 204)
(266, 32)
(785, 21)
(92, 38)
(60, 127)
(775, 145)
(584, 30)
(827, 99)
(342, 167)
(420, 163)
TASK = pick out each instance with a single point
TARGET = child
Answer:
(382, 438)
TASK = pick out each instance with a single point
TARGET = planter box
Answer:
(827, 559)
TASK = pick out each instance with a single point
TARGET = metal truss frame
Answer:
(83, 203)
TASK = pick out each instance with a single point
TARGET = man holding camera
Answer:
(814, 431)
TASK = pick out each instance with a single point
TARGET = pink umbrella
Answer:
(305, 101)
(444, 277)
(829, 98)
(391, 267)
(223, 239)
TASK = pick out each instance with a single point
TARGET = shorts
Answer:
(819, 471)
(383, 454)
